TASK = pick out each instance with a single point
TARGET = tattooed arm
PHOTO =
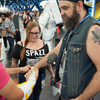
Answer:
(93, 51)
(48, 59)
(49, 67)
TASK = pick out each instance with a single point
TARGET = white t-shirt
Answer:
(62, 68)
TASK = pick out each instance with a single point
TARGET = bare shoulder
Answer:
(20, 42)
(44, 43)
(93, 44)
(41, 41)
(94, 34)
(94, 30)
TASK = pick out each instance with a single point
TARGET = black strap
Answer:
(21, 43)
(43, 43)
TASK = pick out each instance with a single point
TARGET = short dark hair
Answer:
(26, 10)
(85, 7)
(9, 14)
(3, 14)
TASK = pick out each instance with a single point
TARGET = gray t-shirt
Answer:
(36, 18)
(62, 68)
(10, 25)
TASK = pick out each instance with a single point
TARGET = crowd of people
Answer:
(9, 33)
(77, 55)
(27, 17)
(28, 51)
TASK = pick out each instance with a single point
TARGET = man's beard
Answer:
(71, 22)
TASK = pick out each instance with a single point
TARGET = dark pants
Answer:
(59, 97)
(25, 25)
(5, 41)
(36, 90)
(11, 45)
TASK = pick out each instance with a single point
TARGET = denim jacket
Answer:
(79, 69)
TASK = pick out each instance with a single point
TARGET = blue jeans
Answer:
(11, 45)
(36, 90)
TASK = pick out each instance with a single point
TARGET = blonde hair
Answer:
(29, 27)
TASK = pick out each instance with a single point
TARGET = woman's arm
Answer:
(11, 92)
(12, 71)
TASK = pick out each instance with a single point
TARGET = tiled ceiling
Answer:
(9, 2)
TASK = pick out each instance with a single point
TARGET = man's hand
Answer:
(53, 76)
(26, 68)
(28, 74)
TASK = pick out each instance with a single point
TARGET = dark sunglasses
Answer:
(36, 33)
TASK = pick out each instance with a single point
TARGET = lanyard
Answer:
(84, 18)
(73, 29)
(81, 21)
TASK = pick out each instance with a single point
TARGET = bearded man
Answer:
(78, 52)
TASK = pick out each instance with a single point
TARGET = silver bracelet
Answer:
(21, 70)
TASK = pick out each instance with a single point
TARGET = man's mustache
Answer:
(64, 16)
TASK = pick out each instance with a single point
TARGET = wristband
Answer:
(21, 70)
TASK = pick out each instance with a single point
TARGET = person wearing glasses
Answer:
(29, 52)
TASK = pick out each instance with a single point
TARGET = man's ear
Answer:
(79, 6)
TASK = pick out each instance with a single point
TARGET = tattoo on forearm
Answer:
(96, 35)
(51, 58)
